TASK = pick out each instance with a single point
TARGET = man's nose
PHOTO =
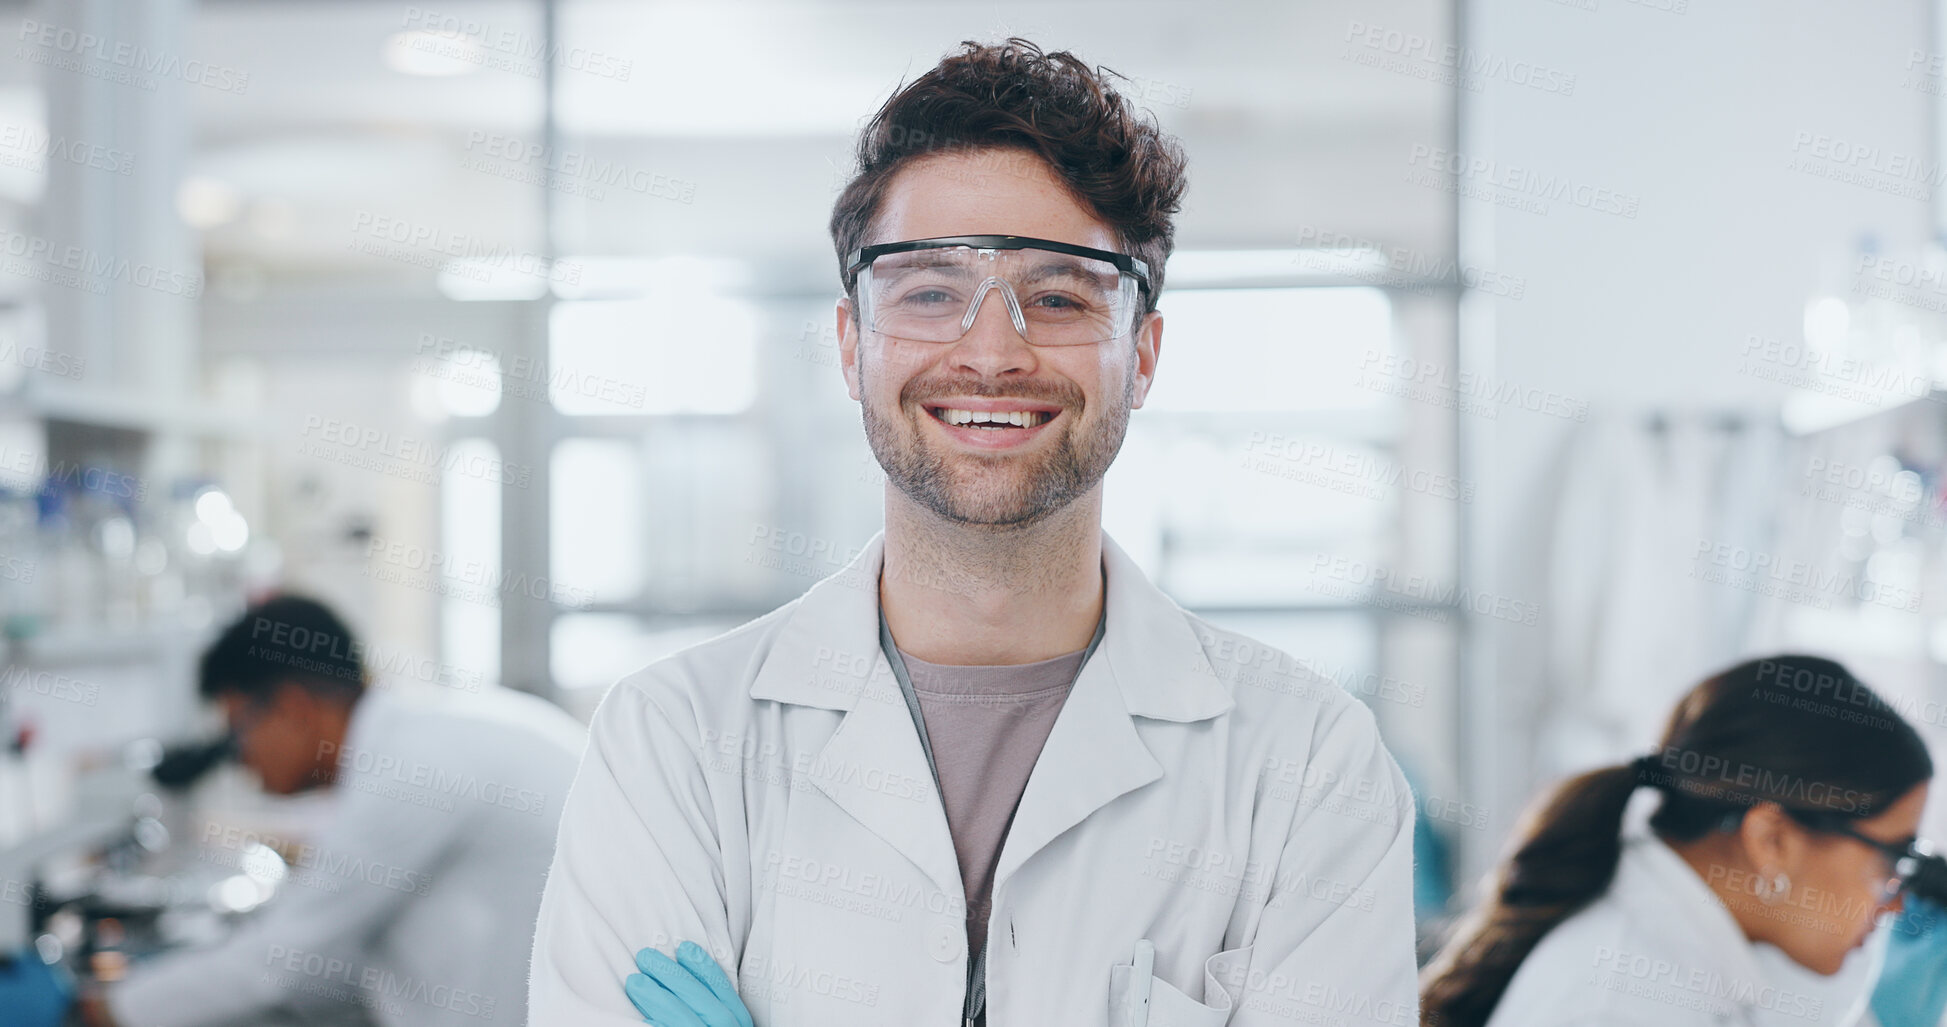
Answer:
(993, 344)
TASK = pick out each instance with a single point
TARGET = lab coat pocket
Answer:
(1168, 1005)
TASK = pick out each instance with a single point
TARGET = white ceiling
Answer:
(755, 104)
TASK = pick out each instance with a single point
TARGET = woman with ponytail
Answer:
(1788, 794)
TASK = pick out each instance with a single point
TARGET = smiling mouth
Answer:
(991, 420)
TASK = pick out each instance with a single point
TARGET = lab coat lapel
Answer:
(874, 769)
(872, 766)
(1150, 664)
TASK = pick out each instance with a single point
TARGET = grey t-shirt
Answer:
(987, 726)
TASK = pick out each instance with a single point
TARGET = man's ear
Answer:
(1149, 350)
(848, 348)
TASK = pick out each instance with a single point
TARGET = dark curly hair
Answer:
(1012, 97)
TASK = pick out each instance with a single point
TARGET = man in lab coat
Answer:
(417, 899)
(1117, 812)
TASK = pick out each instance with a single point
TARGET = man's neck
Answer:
(970, 595)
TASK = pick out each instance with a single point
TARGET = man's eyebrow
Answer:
(1050, 266)
(1075, 267)
(932, 258)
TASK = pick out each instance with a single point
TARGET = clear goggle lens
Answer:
(1053, 299)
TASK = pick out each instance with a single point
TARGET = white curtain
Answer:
(1634, 619)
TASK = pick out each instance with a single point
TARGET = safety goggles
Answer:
(1902, 859)
(1057, 294)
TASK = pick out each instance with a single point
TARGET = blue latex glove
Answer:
(688, 991)
(31, 994)
(1912, 988)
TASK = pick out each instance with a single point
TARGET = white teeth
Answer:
(1018, 418)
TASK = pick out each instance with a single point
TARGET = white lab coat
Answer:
(1658, 950)
(764, 794)
(420, 895)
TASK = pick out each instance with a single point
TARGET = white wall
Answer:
(1697, 113)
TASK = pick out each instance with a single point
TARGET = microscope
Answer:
(76, 900)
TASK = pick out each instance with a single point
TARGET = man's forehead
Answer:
(960, 194)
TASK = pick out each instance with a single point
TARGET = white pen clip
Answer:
(1144, 972)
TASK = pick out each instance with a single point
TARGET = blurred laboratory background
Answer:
(1525, 362)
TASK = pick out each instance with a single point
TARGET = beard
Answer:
(1011, 489)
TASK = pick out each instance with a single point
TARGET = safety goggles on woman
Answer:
(1901, 859)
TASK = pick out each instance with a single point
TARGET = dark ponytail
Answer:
(1567, 853)
(1758, 732)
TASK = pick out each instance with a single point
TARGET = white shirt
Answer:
(1658, 949)
(419, 897)
(764, 794)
